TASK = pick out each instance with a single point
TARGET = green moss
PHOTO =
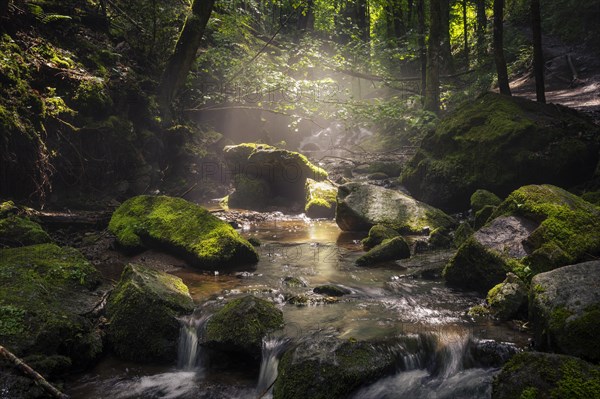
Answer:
(592, 197)
(569, 228)
(440, 238)
(43, 291)
(377, 234)
(181, 227)
(92, 99)
(320, 199)
(18, 231)
(529, 393)
(483, 198)
(576, 383)
(462, 234)
(482, 216)
(331, 290)
(253, 193)
(241, 325)
(479, 311)
(390, 249)
(475, 267)
(143, 311)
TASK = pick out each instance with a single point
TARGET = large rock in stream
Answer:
(180, 227)
(500, 143)
(536, 229)
(266, 175)
(535, 375)
(143, 311)
(45, 294)
(241, 325)
(565, 310)
(360, 206)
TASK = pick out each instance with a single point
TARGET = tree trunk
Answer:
(498, 47)
(398, 17)
(538, 53)
(481, 28)
(306, 20)
(362, 20)
(421, 40)
(432, 90)
(446, 50)
(180, 62)
(466, 31)
(3, 8)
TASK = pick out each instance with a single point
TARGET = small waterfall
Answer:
(189, 356)
(272, 349)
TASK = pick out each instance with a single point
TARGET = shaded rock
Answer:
(501, 143)
(391, 249)
(377, 176)
(44, 291)
(294, 282)
(180, 227)
(16, 231)
(508, 299)
(482, 198)
(544, 375)
(361, 206)
(331, 290)
(440, 238)
(462, 234)
(565, 310)
(490, 353)
(483, 215)
(320, 199)
(266, 174)
(330, 368)
(241, 324)
(143, 311)
(377, 234)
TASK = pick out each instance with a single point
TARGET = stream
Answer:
(394, 299)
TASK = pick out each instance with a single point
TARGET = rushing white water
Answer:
(188, 357)
(272, 349)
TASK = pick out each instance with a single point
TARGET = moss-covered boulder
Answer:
(535, 375)
(143, 311)
(508, 299)
(377, 234)
(501, 143)
(16, 231)
(462, 233)
(44, 291)
(183, 228)
(536, 229)
(391, 249)
(328, 368)
(483, 215)
(482, 198)
(564, 307)
(360, 206)
(240, 326)
(320, 199)
(267, 175)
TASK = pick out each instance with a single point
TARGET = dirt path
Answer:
(581, 91)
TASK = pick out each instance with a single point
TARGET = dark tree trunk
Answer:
(481, 28)
(409, 14)
(432, 90)
(306, 20)
(466, 31)
(422, 48)
(362, 19)
(398, 17)
(446, 49)
(538, 53)
(498, 47)
(3, 8)
(180, 62)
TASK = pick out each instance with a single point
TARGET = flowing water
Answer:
(395, 299)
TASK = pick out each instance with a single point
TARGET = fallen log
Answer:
(31, 373)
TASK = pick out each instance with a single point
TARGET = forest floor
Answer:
(572, 77)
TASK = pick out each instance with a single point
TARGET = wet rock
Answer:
(501, 143)
(16, 231)
(266, 175)
(536, 229)
(377, 234)
(391, 249)
(328, 368)
(508, 299)
(44, 292)
(240, 326)
(482, 198)
(331, 290)
(143, 311)
(361, 206)
(182, 228)
(320, 199)
(490, 353)
(565, 310)
(294, 282)
(377, 176)
(545, 375)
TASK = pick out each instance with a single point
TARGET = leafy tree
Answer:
(432, 90)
